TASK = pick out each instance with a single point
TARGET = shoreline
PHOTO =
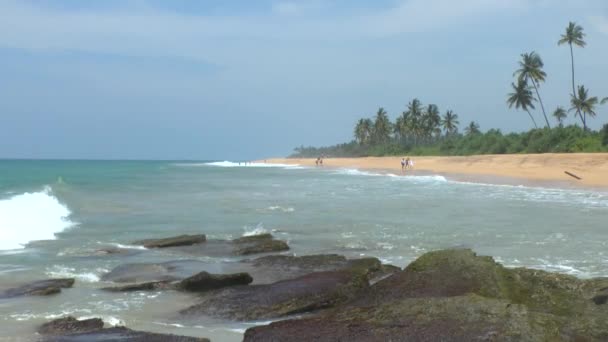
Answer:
(536, 170)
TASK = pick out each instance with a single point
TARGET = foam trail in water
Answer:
(31, 216)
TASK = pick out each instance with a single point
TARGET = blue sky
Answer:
(240, 79)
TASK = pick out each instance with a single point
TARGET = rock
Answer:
(182, 240)
(264, 243)
(153, 272)
(204, 281)
(121, 334)
(39, 288)
(150, 286)
(68, 325)
(457, 295)
(304, 294)
(273, 268)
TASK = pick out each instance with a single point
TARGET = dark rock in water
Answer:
(114, 251)
(304, 294)
(153, 272)
(182, 240)
(264, 243)
(121, 334)
(204, 281)
(69, 325)
(150, 286)
(455, 295)
(39, 288)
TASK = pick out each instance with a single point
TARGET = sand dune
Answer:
(592, 168)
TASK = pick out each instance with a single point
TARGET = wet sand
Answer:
(542, 169)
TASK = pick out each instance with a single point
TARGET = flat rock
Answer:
(69, 325)
(264, 243)
(153, 272)
(455, 295)
(272, 268)
(121, 334)
(39, 288)
(181, 240)
(149, 286)
(204, 281)
(304, 294)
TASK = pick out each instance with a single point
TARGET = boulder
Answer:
(181, 240)
(149, 286)
(264, 243)
(39, 288)
(457, 295)
(69, 325)
(153, 272)
(304, 294)
(120, 334)
(204, 281)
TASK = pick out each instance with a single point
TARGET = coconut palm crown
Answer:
(522, 97)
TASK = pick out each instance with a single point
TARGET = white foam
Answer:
(279, 208)
(411, 178)
(119, 245)
(258, 230)
(356, 172)
(59, 271)
(31, 216)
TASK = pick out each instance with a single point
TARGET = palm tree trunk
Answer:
(541, 103)
(531, 117)
(578, 111)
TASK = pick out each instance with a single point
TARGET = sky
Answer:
(242, 79)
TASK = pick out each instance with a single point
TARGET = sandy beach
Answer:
(592, 168)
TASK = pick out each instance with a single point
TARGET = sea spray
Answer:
(31, 216)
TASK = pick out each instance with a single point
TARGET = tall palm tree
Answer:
(360, 133)
(522, 97)
(382, 127)
(450, 123)
(582, 103)
(414, 108)
(560, 114)
(472, 128)
(401, 126)
(431, 120)
(531, 69)
(574, 36)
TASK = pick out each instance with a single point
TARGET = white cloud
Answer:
(600, 23)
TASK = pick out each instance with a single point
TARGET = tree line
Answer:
(421, 129)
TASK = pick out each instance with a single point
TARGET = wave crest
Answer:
(31, 216)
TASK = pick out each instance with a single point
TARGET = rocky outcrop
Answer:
(119, 334)
(153, 272)
(38, 288)
(70, 325)
(181, 240)
(150, 286)
(204, 281)
(304, 294)
(273, 268)
(264, 243)
(455, 295)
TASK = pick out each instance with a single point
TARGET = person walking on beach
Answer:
(403, 164)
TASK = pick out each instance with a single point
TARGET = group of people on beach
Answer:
(406, 163)
(319, 161)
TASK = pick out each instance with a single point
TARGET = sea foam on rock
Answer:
(455, 295)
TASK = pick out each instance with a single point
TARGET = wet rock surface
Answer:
(181, 240)
(264, 243)
(69, 325)
(303, 294)
(38, 288)
(455, 295)
(153, 272)
(204, 281)
(119, 334)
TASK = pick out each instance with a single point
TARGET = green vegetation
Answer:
(422, 130)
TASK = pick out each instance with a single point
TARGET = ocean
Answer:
(55, 215)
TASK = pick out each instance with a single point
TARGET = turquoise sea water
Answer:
(78, 207)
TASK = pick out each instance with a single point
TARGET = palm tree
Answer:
(582, 103)
(414, 123)
(450, 122)
(362, 131)
(431, 120)
(472, 128)
(522, 97)
(560, 114)
(401, 126)
(531, 68)
(382, 127)
(574, 36)
(604, 100)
